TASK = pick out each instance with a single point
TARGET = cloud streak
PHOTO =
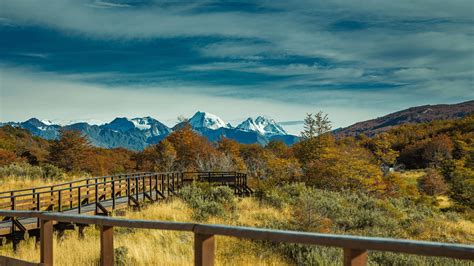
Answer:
(370, 56)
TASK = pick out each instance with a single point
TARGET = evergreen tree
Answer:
(315, 136)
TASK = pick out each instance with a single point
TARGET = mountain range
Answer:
(137, 133)
(413, 115)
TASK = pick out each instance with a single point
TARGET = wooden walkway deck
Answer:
(101, 195)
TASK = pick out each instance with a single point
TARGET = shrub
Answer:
(432, 183)
(31, 171)
(52, 171)
(207, 201)
(21, 170)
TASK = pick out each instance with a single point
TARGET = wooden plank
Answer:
(355, 257)
(204, 249)
(106, 246)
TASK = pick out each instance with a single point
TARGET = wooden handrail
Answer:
(71, 182)
(355, 247)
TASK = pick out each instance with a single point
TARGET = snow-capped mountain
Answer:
(206, 120)
(263, 125)
(147, 124)
(138, 133)
(41, 128)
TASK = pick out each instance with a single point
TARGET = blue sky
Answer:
(81, 60)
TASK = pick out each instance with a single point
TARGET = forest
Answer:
(414, 181)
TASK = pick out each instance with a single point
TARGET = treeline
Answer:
(371, 165)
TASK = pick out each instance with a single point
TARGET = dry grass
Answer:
(15, 182)
(412, 176)
(157, 247)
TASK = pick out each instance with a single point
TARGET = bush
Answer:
(21, 170)
(52, 171)
(207, 201)
(30, 171)
(121, 256)
(432, 183)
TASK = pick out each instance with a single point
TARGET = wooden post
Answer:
(60, 206)
(113, 194)
(87, 192)
(79, 200)
(96, 197)
(70, 196)
(46, 245)
(106, 246)
(128, 190)
(12, 198)
(137, 188)
(355, 257)
(204, 246)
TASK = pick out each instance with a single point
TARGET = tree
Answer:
(70, 152)
(432, 183)
(190, 146)
(315, 125)
(438, 150)
(315, 136)
(231, 149)
(345, 167)
(382, 148)
(166, 155)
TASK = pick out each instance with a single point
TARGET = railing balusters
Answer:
(96, 198)
(60, 207)
(113, 195)
(70, 196)
(79, 200)
(128, 190)
(137, 187)
(12, 199)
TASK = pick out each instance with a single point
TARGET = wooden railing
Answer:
(355, 247)
(75, 194)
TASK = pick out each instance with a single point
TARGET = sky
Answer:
(67, 60)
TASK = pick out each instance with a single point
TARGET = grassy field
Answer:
(284, 208)
(156, 247)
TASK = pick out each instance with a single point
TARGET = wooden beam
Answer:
(355, 257)
(106, 246)
(204, 249)
(46, 238)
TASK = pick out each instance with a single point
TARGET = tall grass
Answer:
(151, 247)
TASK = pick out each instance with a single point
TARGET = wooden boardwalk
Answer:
(101, 195)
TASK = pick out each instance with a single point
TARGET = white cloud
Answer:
(26, 93)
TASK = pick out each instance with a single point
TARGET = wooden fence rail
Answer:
(355, 247)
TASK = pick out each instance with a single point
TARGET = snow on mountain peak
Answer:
(206, 120)
(46, 122)
(262, 124)
(142, 123)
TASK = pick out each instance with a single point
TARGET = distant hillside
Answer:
(413, 115)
